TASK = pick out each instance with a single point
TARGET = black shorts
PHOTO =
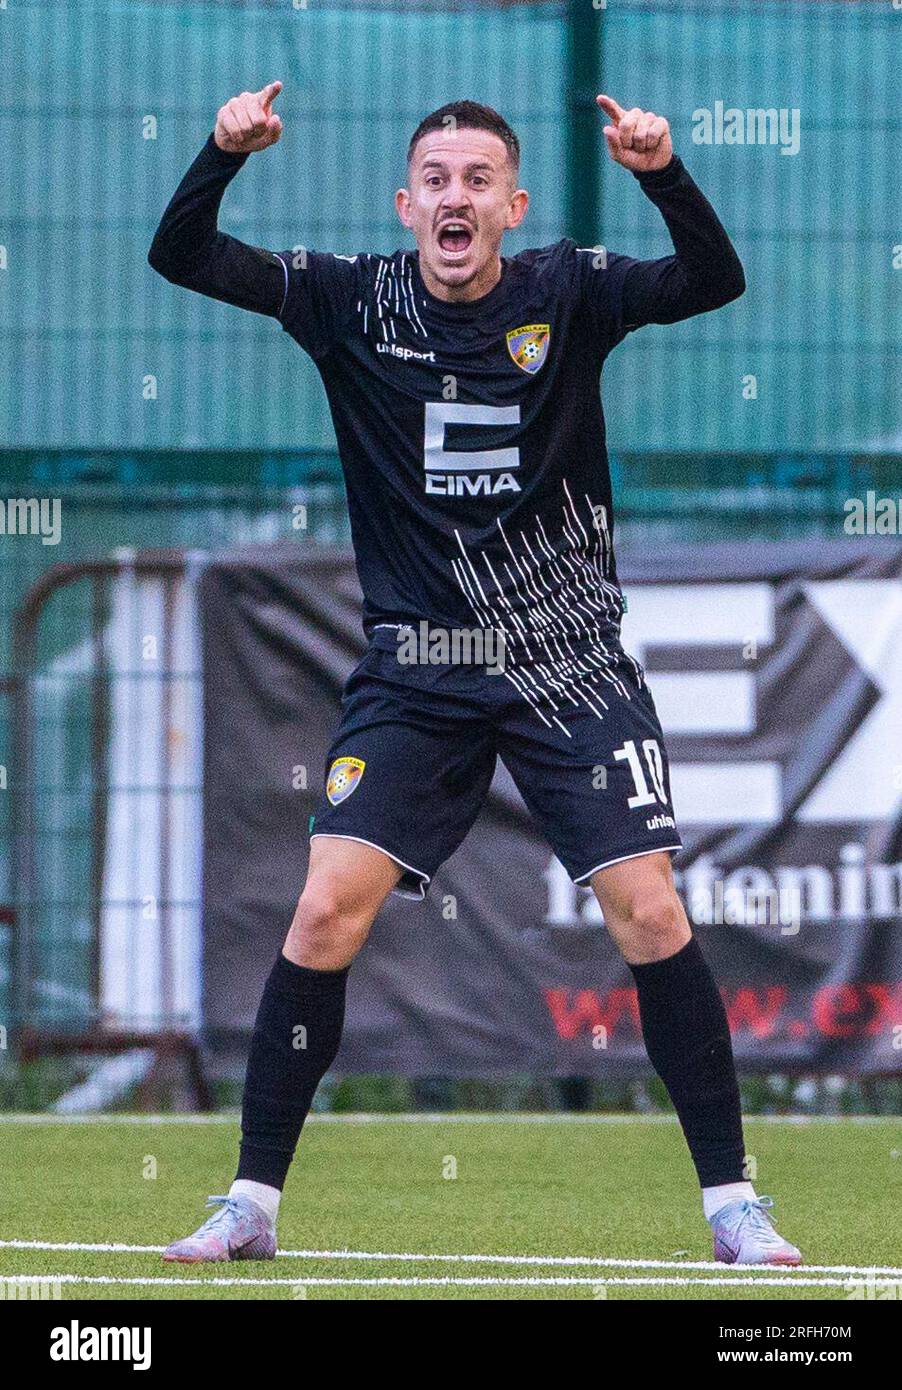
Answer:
(411, 764)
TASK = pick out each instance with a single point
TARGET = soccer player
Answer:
(464, 390)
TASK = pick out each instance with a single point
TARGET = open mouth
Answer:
(455, 238)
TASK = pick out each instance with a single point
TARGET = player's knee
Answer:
(328, 929)
(655, 924)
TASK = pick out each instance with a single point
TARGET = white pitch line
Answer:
(564, 1281)
(87, 1247)
(410, 1257)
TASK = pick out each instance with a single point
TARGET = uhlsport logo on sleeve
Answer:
(528, 346)
(344, 774)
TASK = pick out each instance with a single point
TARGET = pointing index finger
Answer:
(267, 94)
(611, 108)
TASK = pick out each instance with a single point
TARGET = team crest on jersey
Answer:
(528, 346)
(344, 774)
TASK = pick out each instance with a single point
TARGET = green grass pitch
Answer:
(594, 1188)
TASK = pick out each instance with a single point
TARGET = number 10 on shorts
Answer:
(630, 754)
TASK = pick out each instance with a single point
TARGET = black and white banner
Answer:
(777, 673)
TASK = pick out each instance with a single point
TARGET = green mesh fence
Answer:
(106, 102)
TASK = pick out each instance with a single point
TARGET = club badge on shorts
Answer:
(344, 774)
(528, 346)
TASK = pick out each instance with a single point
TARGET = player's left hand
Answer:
(639, 140)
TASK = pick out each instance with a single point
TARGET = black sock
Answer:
(687, 1037)
(286, 1064)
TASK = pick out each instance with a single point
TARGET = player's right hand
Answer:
(246, 124)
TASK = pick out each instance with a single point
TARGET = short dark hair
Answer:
(468, 115)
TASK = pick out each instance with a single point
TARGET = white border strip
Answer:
(408, 1257)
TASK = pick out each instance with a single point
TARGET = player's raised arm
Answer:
(188, 248)
(705, 271)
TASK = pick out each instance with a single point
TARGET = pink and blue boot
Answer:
(239, 1230)
(744, 1234)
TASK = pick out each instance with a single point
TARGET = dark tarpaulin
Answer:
(506, 966)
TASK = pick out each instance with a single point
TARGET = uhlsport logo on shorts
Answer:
(344, 774)
(528, 346)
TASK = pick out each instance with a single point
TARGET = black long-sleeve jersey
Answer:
(471, 435)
